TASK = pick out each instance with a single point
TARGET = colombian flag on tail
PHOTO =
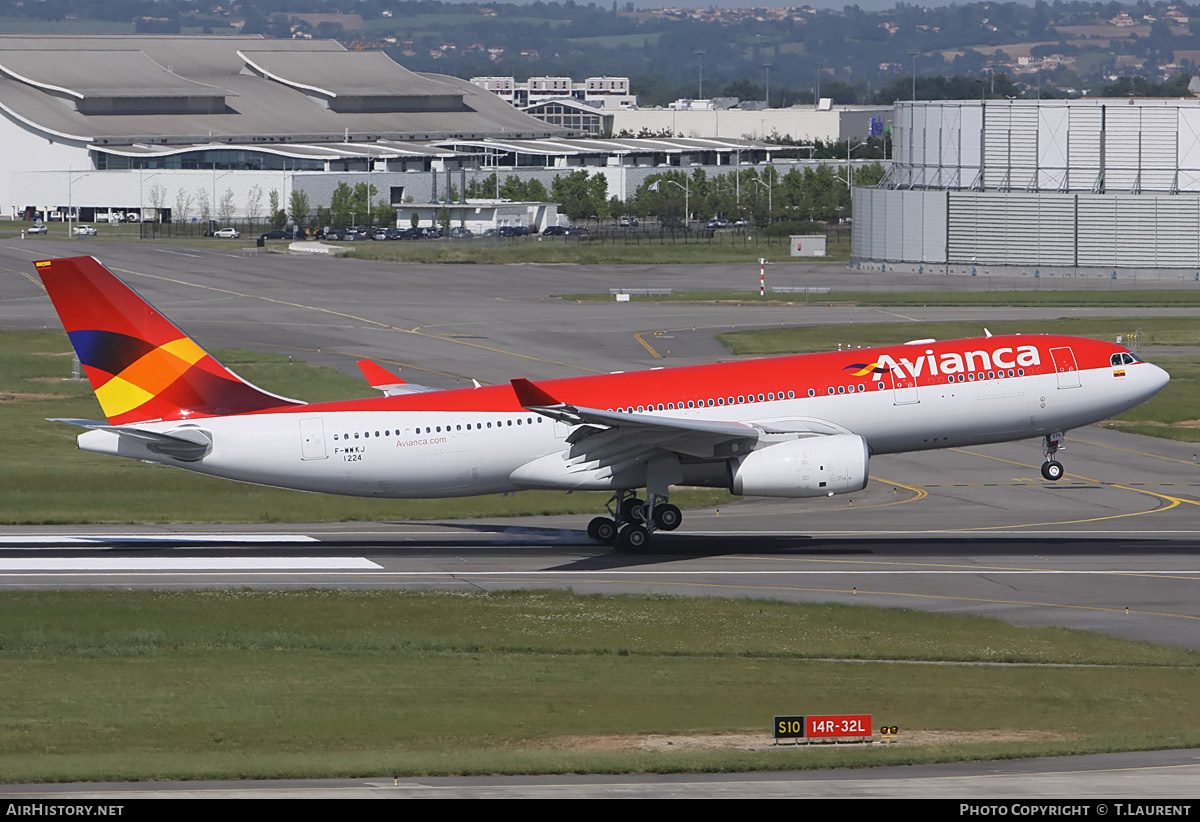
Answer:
(141, 366)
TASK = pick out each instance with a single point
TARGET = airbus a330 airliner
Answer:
(796, 426)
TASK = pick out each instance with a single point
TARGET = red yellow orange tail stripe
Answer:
(141, 366)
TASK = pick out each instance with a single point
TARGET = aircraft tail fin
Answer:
(141, 366)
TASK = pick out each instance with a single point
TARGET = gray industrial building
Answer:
(1093, 184)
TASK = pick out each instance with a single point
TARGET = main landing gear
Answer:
(1052, 469)
(633, 520)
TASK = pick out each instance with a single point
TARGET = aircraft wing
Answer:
(605, 444)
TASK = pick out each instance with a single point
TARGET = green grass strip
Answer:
(1046, 298)
(120, 685)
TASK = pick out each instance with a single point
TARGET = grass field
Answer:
(1175, 331)
(46, 479)
(725, 247)
(119, 685)
(550, 250)
(1007, 299)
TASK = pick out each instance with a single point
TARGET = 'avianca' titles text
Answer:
(953, 362)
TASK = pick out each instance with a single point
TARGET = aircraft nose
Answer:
(1158, 379)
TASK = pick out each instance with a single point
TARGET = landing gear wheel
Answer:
(602, 529)
(667, 517)
(633, 538)
(1053, 470)
(632, 510)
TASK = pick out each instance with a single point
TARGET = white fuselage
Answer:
(411, 454)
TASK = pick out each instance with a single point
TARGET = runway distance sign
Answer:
(822, 727)
(839, 725)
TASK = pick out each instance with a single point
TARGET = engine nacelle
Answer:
(809, 467)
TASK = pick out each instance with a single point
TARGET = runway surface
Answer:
(1110, 548)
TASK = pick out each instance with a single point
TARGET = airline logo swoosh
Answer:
(861, 369)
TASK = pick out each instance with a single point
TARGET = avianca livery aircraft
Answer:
(798, 426)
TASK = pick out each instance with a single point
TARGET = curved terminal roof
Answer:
(255, 109)
(82, 74)
(344, 74)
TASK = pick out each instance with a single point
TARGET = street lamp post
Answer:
(817, 93)
(849, 170)
(767, 186)
(700, 92)
(142, 200)
(767, 66)
(686, 196)
(71, 201)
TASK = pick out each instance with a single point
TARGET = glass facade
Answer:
(224, 159)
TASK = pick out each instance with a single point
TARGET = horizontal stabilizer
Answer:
(188, 444)
(383, 380)
(530, 396)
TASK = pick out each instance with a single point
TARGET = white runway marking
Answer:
(92, 541)
(351, 566)
(176, 564)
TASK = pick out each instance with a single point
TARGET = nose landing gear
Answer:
(1052, 469)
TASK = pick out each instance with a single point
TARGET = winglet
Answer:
(530, 396)
(377, 376)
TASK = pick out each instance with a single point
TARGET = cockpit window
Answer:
(1124, 358)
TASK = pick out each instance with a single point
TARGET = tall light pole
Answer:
(767, 66)
(914, 53)
(142, 200)
(817, 93)
(700, 93)
(71, 201)
(850, 171)
(686, 195)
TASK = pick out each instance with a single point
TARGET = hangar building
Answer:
(1082, 184)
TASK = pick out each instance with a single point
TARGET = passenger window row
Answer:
(431, 429)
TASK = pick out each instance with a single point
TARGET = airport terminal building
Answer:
(188, 128)
(1083, 184)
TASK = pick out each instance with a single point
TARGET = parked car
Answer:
(576, 230)
(275, 234)
(628, 222)
(37, 228)
(227, 233)
(554, 231)
(460, 232)
(84, 230)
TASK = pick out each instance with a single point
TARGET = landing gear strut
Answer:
(633, 520)
(1052, 469)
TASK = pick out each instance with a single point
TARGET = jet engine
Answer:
(808, 467)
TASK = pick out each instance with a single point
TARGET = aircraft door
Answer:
(312, 438)
(1065, 367)
(904, 388)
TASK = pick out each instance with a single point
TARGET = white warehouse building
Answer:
(1082, 184)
